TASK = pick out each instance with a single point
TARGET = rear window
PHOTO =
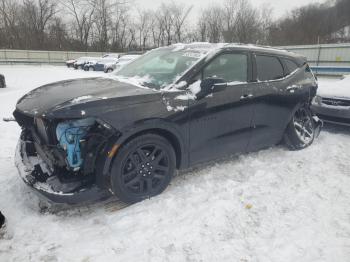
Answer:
(269, 68)
(291, 66)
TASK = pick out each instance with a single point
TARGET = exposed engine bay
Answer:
(64, 154)
(70, 135)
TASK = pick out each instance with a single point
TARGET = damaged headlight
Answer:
(317, 100)
(69, 135)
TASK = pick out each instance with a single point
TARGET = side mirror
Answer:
(211, 85)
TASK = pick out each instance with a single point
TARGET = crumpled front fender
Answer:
(318, 125)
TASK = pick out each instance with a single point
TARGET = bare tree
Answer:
(35, 16)
(180, 14)
(157, 29)
(167, 19)
(143, 26)
(82, 12)
(212, 17)
(120, 28)
(9, 14)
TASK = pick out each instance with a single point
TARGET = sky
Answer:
(280, 7)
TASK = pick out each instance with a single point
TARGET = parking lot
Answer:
(271, 205)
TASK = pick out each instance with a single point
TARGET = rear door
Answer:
(220, 123)
(276, 94)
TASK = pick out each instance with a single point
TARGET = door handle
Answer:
(246, 96)
(292, 89)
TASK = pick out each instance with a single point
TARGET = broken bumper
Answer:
(318, 125)
(332, 114)
(30, 169)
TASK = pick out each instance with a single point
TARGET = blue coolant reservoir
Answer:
(69, 134)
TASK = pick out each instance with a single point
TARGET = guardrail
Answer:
(337, 55)
(9, 56)
(328, 55)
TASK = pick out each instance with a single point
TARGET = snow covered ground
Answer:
(272, 205)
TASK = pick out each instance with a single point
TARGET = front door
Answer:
(220, 123)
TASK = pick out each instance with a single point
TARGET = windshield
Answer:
(161, 67)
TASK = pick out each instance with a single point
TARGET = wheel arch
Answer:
(156, 127)
(173, 139)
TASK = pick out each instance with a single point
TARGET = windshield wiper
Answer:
(149, 85)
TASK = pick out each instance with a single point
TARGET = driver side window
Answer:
(230, 66)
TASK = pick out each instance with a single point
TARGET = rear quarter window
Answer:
(268, 68)
(290, 65)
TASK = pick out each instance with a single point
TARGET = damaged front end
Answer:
(62, 159)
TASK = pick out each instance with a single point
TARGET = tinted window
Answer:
(230, 67)
(269, 68)
(291, 66)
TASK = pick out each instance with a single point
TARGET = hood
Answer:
(80, 94)
(335, 89)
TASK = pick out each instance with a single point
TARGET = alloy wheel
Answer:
(145, 169)
(303, 125)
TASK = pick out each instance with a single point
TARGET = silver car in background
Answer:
(124, 60)
(82, 61)
(332, 103)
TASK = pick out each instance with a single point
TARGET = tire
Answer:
(2, 81)
(109, 70)
(300, 132)
(142, 168)
(2, 220)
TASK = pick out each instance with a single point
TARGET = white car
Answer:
(124, 60)
(80, 63)
(99, 65)
(332, 103)
(112, 55)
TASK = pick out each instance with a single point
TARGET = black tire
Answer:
(2, 220)
(109, 70)
(142, 168)
(300, 132)
(2, 81)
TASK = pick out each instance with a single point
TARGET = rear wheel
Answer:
(109, 70)
(300, 132)
(142, 168)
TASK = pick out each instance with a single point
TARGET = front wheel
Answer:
(300, 132)
(142, 168)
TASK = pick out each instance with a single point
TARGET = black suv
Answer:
(172, 108)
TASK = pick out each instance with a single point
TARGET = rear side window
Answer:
(269, 68)
(291, 66)
(230, 67)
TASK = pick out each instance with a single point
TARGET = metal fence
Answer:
(328, 59)
(324, 55)
(330, 55)
(8, 56)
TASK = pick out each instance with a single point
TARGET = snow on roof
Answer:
(206, 47)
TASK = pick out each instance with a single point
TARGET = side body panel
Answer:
(274, 105)
(220, 123)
